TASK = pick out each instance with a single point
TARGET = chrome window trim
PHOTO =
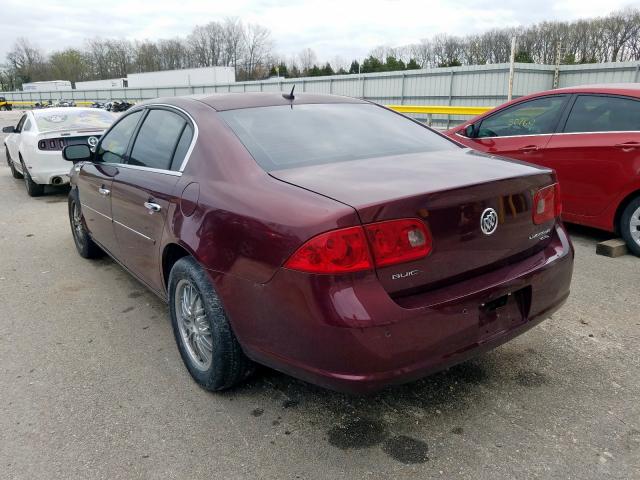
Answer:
(193, 140)
(545, 134)
(134, 231)
(598, 133)
(147, 169)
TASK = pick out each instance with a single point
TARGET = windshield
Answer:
(75, 120)
(283, 137)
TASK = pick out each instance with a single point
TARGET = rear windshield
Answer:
(74, 120)
(283, 137)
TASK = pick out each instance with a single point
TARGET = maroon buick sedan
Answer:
(323, 236)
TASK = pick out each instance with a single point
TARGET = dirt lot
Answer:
(92, 385)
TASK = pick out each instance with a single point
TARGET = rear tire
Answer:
(207, 344)
(33, 189)
(86, 247)
(630, 226)
(14, 172)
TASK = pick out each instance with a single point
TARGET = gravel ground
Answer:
(92, 385)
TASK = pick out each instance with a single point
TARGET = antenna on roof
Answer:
(289, 96)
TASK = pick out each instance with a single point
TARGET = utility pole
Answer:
(556, 72)
(512, 62)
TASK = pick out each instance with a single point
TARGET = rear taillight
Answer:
(338, 251)
(398, 241)
(52, 144)
(361, 248)
(547, 204)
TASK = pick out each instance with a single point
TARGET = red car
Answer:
(589, 135)
(323, 236)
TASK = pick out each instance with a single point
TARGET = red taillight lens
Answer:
(347, 249)
(398, 241)
(558, 200)
(338, 251)
(546, 204)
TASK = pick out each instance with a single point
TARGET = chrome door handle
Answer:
(528, 148)
(104, 191)
(152, 207)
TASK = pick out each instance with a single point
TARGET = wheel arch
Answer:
(621, 206)
(171, 253)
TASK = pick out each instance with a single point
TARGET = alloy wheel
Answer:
(634, 225)
(194, 327)
(76, 222)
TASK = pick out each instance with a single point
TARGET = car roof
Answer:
(631, 89)
(234, 101)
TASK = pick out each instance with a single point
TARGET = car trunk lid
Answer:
(449, 190)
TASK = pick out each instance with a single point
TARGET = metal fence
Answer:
(479, 85)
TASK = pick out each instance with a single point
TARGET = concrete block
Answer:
(612, 248)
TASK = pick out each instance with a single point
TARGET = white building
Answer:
(102, 84)
(182, 78)
(50, 86)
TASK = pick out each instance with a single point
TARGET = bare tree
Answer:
(307, 58)
(233, 42)
(258, 46)
(26, 60)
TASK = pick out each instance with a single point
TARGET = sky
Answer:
(349, 29)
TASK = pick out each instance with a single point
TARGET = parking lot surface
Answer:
(92, 385)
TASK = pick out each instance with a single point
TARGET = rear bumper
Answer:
(44, 167)
(347, 334)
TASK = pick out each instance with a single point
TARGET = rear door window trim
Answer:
(574, 99)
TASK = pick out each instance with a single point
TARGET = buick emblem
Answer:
(92, 141)
(489, 221)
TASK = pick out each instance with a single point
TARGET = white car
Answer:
(34, 146)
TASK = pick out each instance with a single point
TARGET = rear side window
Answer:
(114, 144)
(286, 136)
(183, 147)
(533, 117)
(592, 113)
(157, 140)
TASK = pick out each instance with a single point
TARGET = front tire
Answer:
(33, 189)
(86, 247)
(630, 226)
(206, 342)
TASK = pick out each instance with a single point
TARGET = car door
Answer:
(13, 140)
(597, 152)
(143, 190)
(519, 131)
(95, 180)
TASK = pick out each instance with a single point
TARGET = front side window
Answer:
(114, 144)
(286, 136)
(533, 117)
(592, 113)
(157, 140)
(27, 126)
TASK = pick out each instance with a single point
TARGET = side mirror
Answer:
(9, 130)
(76, 153)
(469, 131)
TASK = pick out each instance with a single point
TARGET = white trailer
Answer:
(102, 84)
(50, 86)
(182, 78)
